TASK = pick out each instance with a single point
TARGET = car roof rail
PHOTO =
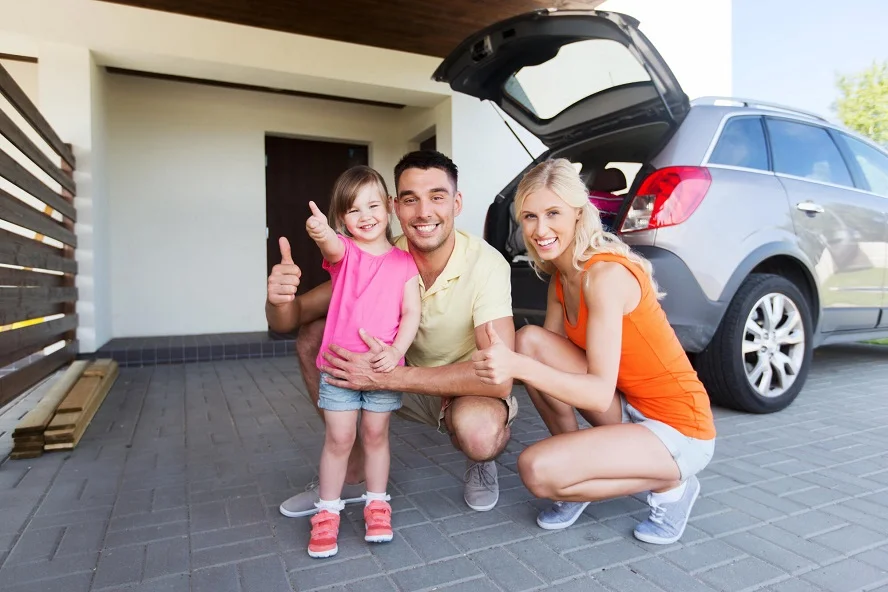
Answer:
(752, 103)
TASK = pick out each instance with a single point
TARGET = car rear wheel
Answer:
(760, 355)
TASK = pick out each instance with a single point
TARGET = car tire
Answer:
(742, 362)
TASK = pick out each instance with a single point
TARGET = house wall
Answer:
(172, 174)
(72, 99)
(186, 179)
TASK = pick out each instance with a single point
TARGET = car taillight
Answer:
(667, 197)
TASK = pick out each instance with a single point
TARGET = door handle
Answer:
(810, 207)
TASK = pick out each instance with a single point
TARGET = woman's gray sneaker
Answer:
(667, 522)
(561, 515)
(303, 504)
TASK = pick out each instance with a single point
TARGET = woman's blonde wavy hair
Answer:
(561, 178)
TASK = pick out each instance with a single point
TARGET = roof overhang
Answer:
(426, 27)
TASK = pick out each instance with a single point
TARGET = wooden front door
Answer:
(296, 172)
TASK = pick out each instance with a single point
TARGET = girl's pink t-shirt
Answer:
(368, 291)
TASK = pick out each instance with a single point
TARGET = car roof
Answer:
(722, 107)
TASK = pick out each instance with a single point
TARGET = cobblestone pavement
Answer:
(176, 485)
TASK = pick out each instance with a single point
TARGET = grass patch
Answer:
(879, 341)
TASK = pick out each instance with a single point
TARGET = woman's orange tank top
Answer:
(655, 374)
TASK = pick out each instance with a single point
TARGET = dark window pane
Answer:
(873, 163)
(806, 151)
(742, 144)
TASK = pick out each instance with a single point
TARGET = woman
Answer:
(607, 351)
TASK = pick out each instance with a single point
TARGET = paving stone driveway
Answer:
(176, 485)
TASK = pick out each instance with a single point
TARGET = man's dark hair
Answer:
(425, 160)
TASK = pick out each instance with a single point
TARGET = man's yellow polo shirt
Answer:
(475, 287)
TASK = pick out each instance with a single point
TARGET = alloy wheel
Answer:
(773, 344)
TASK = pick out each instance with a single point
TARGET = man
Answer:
(464, 284)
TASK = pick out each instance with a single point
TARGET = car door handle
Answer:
(810, 207)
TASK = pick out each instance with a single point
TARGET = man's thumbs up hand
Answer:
(284, 279)
(286, 257)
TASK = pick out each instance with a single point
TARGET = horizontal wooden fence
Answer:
(37, 295)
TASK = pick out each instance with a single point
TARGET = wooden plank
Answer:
(24, 179)
(23, 455)
(69, 427)
(11, 356)
(62, 421)
(14, 57)
(21, 277)
(21, 250)
(16, 298)
(17, 138)
(29, 311)
(18, 212)
(57, 435)
(33, 334)
(36, 420)
(15, 383)
(17, 98)
(90, 412)
(27, 438)
(53, 447)
(79, 397)
(100, 367)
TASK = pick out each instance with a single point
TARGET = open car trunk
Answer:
(616, 162)
(567, 74)
(591, 87)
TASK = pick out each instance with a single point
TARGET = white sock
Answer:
(332, 506)
(671, 496)
(371, 496)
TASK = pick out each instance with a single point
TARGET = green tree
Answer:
(863, 101)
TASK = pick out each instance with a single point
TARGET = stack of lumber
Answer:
(63, 414)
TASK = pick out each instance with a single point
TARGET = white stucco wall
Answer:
(187, 187)
(72, 97)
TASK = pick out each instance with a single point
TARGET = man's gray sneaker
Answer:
(561, 515)
(303, 504)
(482, 486)
(667, 522)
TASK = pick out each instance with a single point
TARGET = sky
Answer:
(790, 51)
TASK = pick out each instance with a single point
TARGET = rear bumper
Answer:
(692, 315)
(528, 296)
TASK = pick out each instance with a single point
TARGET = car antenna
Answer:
(492, 104)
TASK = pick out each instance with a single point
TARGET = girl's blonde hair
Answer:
(561, 178)
(345, 192)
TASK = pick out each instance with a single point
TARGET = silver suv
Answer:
(767, 227)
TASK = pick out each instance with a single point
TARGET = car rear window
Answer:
(577, 71)
(742, 144)
(806, 151)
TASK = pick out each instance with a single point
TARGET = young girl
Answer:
(375, 288)
(606, 350)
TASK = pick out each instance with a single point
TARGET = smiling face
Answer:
(426, 206)
(549, 224)
(367, 218)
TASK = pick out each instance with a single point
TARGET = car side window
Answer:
(742, 144)
(873, 164)
(806, 151)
